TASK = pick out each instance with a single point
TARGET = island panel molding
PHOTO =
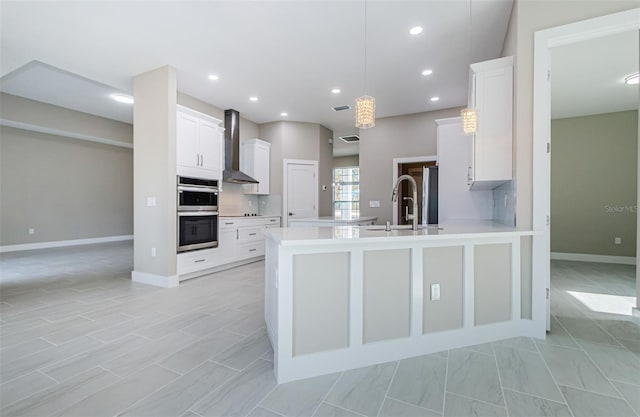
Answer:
(386, 285)
(443, 266)
(320, 302)
(492, 270)
(355, 275)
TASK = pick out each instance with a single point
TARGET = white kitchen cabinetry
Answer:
(240, 240)
(198, 145)
(491, 94)
(456, 201)
(255, 162)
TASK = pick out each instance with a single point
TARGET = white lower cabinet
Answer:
(239, 239)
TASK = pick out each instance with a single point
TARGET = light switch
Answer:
(151, 201)
(374, 203)
(435, 292)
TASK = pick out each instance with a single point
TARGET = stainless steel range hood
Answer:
(232, 171)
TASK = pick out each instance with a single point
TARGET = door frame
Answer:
(285, 186)
(544, 40)
(405, 160)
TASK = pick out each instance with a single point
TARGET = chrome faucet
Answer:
(394, 197)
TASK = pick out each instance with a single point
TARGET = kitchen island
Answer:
(332, 221)
(347, 297)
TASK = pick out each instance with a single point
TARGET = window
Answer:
(346, 192)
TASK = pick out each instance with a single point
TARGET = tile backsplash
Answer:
(234, 202)
(504, 203)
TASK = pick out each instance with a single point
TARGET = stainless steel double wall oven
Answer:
(197, 202)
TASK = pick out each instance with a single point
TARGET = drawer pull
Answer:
(253, 250)
(199, 260)
(252, 234)
(228, 222)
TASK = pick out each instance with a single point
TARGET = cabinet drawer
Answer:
(253, 234)
(227, 224)
(251, 250)
(272, 221)
(197, 261)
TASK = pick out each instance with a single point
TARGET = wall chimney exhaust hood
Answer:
(232, 171)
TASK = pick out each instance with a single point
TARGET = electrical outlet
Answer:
(153, 252)
(617, 241)
(151, 201)
(32, 231)
(374, 203)
(435, 292)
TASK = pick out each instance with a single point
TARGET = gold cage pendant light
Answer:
(365, 108)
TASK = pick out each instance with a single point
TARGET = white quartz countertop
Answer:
(296, 236)
(331, 219)
(262, 216)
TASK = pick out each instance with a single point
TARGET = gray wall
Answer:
(154, 173)
(23, 110)
(297, 140)
(63, 188)
(393, 137)
(593, 184)
(325, 172)
(346, 161)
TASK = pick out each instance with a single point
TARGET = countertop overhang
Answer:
(303, 236)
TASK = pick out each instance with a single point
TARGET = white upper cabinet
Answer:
(255, 157)
(199, 145)
(491, 94)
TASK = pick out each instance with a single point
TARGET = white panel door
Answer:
(187, 141)
(302, 191)
(210, 139)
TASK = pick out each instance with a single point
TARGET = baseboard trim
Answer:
(62, 243)
(583, 257)
(155, 280)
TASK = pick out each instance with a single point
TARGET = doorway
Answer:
(413, 166)
(300, 190)
(404, 204)
(544, 41)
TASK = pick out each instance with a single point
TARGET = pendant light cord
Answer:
(365, 47)
(470, 34)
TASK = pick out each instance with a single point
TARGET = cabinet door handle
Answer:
(201, 159)
(237, 234)
(252, 234)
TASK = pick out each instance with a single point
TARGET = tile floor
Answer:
(78, 338)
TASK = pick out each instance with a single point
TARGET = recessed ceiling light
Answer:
(284, 114)
(632, 78)
(253, 98)
(336, 91)
(434, 98)
(213, 77)
(427, 72)
(122, 98)
(416, 30)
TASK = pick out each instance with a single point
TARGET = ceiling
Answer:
(588, 77)
(289, 54)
